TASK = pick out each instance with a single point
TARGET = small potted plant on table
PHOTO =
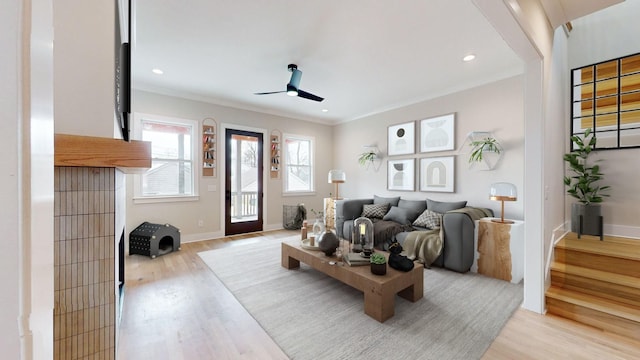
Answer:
(378, 264)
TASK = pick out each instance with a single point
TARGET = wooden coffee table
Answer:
(379, 291)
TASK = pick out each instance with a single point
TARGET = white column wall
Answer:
(26, 106)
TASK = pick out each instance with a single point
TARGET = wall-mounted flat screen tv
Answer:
(123, 66)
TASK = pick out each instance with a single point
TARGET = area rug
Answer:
(313, 316)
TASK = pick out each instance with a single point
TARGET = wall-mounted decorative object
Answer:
(370, 157)
(605, 99)
(401, 175)
(480, 147)
(483, 149)
(401, 139)
(209, 146)
(437, 133)
(274, 166)
(437, 174)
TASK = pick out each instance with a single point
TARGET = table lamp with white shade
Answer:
(336, 177)
(503, 191)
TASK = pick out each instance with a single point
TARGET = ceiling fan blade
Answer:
(306, 95)
(270, 92)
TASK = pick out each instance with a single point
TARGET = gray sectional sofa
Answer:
(457, 219)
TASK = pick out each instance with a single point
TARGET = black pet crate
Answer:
(154, 239)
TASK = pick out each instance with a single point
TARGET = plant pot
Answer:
(590, 218)
(379, 269)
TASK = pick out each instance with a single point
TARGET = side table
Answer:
(500, 250)
(330, 213)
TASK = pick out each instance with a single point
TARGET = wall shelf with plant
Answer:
(485, 150)
(370, 157)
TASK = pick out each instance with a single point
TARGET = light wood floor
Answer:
(175, 308)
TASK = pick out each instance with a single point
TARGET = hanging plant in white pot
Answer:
(370, 157)
(486, 151)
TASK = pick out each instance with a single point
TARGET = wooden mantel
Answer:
(75, 150)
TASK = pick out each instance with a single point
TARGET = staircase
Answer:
(597, 283)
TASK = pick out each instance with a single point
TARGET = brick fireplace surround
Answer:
(89, 223)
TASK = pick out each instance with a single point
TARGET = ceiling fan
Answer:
(293, 86)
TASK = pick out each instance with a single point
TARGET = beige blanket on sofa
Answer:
(424, 246)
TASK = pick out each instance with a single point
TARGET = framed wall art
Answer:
(437, 133)
(437, 174)
(401, 175)
(401, 139)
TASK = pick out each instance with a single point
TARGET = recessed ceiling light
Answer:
(157, 71)
(468, 57)
(325, 110)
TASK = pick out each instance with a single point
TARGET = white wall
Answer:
(556, 143)
(26, 109)
(84, 63)
(37, 183)
(495, 107)
(185, 215)
(608, 34)
(10, 23)
(525, 28)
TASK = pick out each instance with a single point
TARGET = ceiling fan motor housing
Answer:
(295, 78)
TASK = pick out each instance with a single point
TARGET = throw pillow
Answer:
(416, 205)
(392, 201)
(400, 215)
(375, 211)
(442, 207)
(428, 219)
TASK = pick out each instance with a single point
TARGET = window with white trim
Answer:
(173, 170)
(298, 164)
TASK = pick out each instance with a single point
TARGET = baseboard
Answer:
(632, 232)
(201, 237)
(556, 235)
(271, 227)
(561, 231)
(220, 234)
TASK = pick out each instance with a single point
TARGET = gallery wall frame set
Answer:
(401, 139)
(436, 134)
(401, 174)
(436, 174)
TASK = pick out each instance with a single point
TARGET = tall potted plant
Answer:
(583, 185)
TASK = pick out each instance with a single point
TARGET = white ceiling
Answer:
(562, 11)
(362, 56)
